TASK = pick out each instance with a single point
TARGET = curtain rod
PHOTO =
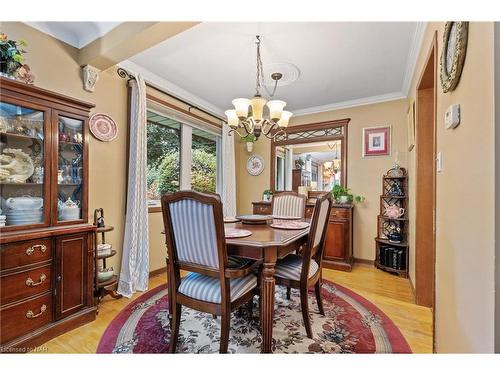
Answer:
(125, 74)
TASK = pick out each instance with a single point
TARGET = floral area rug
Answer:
(351, 324)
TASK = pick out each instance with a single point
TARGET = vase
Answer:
(343, 199)
(249, 146)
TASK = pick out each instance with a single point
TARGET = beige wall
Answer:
(464, 308)
(497, 183)
(55, 66)
(364, 176)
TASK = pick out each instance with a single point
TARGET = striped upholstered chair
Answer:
(194, 229)
(289, 203)
(302, 272)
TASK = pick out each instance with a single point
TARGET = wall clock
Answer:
(255, 165)
(453, 55)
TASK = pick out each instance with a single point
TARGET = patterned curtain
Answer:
(228, 173)
(134, 272)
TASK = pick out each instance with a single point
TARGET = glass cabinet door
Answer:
(24, 198)
(70, 168)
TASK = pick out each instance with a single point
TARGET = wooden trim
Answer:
(154, 209)
(364, 261)
(181, 110)
(310, 127)
(159, 271)
(412, 287)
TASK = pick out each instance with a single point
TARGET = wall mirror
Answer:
(311, 157)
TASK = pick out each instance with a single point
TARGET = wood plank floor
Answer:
(390, 293)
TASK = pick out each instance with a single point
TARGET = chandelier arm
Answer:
(247, 129)
(235, 131)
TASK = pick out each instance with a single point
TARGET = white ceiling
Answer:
(77, 34)
(341, 64)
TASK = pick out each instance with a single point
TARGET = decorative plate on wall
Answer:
(255, 165)
(103, 127)
(453, 55)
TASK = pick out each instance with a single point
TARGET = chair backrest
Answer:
(194, 229)
(317, 232)
(289, 203)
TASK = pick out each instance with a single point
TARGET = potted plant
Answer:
(343, 195)
(267, 196)
(249, 139)
(11, 55)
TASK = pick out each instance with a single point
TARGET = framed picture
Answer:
(377, 141)
(411, 125)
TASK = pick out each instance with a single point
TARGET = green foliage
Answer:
(268, 192)
(249, 138)
(167, 174)
(339, 191)
(11, 54)
(203, 171)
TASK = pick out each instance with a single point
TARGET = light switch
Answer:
(439, 162)
(452, 116)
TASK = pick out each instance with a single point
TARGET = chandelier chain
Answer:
(259, 81)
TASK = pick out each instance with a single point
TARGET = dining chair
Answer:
(289, 203)
(194, 231)
(302, 272)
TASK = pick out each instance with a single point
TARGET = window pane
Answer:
(204, 161)
(164, 143)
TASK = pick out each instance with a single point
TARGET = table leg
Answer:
(267, 288)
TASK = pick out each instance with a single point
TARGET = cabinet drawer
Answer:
(262, 209)
(23, 253)
(339, 213)
(25, 284)
(25, 317)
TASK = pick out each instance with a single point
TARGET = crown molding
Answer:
(350, 103)
(171, 88)
(413, 53)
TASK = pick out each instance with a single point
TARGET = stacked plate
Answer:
(2, 220)
(24, 216)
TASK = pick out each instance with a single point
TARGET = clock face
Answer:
(451, 48)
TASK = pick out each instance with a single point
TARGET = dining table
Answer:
(266, 244)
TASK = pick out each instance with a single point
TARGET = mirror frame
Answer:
(313, 139)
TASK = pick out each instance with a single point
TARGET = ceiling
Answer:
(77, 34)
(341, 64)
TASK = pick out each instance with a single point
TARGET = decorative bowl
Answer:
(24, 203)
(105, 274)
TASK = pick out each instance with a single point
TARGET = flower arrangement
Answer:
(12, 59)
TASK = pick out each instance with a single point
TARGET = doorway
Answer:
(425, 192)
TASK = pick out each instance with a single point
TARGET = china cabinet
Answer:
(46, 269)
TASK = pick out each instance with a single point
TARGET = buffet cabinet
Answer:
(337, 253)
(46, 251)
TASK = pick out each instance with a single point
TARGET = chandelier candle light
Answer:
(254, 122)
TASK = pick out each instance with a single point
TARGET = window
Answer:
(204, 161)
(169, 169)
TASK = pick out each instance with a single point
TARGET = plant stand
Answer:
(392, 256)
(102, 288)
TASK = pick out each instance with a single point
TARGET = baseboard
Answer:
(159, 271)
(364, 261)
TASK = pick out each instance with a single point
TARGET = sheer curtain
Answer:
(228, 173)
(135, 258)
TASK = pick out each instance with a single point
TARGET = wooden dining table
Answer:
(268, 245)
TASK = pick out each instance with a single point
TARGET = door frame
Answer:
(425, 258)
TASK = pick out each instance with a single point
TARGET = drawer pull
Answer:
(31, 315)
(30, 250)
(30, 282)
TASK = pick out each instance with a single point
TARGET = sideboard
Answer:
(338, 246)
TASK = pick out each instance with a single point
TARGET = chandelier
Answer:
(244, 122)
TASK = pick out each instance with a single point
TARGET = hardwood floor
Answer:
(390, 293)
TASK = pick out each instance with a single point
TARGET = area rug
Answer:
(351, 324)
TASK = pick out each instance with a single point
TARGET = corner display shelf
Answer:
(391, 243)
(108, 286)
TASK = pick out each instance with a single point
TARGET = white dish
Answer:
(24, 203)
(72, 123)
